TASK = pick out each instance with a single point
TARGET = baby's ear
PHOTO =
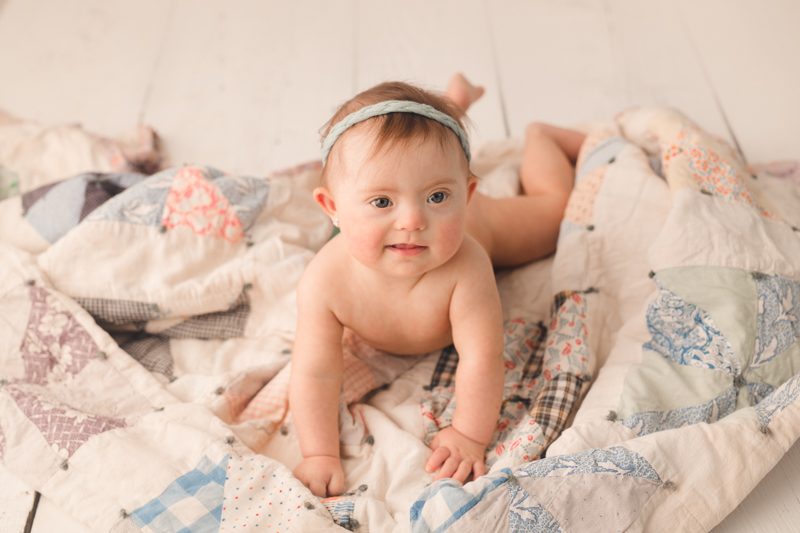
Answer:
(472, 184)
(323, 197)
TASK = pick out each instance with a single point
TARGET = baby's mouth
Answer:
(404, 249)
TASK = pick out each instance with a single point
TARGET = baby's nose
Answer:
(411, 218)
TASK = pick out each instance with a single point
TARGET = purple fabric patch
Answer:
(64, 428)
(30, 198)
(98, 192)
(55, 343)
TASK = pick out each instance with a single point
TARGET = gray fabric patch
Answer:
(218, 325)
(152, 352)
(119, 311)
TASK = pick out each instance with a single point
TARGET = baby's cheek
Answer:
(365, 244)
(452, 235)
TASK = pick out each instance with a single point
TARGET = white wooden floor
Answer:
(245, 85)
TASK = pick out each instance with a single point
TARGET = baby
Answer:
(411, 270)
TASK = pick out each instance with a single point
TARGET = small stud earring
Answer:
(336, 221)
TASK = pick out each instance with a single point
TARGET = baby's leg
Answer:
(523, 228)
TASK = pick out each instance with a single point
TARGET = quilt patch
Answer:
(525, 514)
(342, 510)
(64, 428)
(55, 346)
(615, 460)
(567, 349)
(779, 400)
(152, 351)
(226, 324)
(687, 335)
(193, 503)
(778, 317)
(708, 412)
(119, 312)
(715, 173)
(257, 497)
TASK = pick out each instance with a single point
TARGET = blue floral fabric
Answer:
(778, 314)
(615, 460)
(783, 397)
(652, 421)
(687, 335)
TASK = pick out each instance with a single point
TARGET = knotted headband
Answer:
(393, 106)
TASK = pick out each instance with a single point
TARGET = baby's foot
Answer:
(462, 92)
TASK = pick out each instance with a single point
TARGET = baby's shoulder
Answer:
(322, 272)
(471, 258)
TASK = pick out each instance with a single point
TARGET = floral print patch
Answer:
(687, 335)
(778, 317)
(652, 421)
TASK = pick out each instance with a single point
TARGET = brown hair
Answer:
(398, 127)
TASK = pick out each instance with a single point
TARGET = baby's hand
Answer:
(457, 455)
(322, 474)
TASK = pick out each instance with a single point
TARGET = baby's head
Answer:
(394, 129)
(396, 178)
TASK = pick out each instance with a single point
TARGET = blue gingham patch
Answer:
(190, 504)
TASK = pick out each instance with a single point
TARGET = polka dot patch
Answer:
(260, 498)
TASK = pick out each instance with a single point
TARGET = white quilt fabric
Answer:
(146, 334)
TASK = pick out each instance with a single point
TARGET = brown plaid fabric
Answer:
(152, 352)
(445, 373)
(118, 311)
(534, 363)
(554, 404)
(31, 197)
(218, 325)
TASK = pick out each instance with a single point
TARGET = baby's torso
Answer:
(407, 324)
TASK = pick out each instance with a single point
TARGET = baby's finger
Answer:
(336, 484)
(478, 469)
(464, 468)
(448, 468)
(437, 458)
(317, 487)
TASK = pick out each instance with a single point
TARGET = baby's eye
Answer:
(437, 197)
(381, 203)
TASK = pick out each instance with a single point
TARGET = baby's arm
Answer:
(315, 386)
(477, 321)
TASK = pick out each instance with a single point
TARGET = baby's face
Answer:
(403, 210)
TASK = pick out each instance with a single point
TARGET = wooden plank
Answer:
(79, 60)
(425, 43)
(589, 59)
(751, 53)
(245, 86)
(556, 62)
(16, 502)
(657, 63)
(50, 518)
(774, 505)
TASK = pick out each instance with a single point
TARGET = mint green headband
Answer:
(393, 106)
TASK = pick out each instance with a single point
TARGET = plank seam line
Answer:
(687, 31)
(493, 47)
(156, 64)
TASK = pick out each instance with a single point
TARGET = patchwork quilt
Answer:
(652, 364)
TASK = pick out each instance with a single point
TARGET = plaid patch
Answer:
(554, 404)
(534, 363)
(342, 509)
(218, 325)
(445, 373)
(119, 311)
(152, 352)
(30, 198)
(271, 402)
(190, 504)
(98, 192)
